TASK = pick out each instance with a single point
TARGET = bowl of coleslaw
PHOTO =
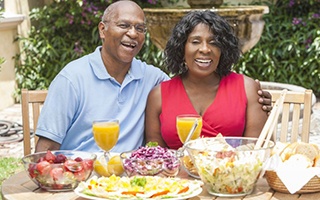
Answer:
(151, 161)
(228, 166)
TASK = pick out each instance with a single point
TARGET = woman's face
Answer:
(201, 54)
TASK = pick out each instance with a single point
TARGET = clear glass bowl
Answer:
(76, 167)
(228, 166)
(188, 166)
(167, 166)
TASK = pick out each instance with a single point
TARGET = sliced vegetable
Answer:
(160, 193)
(134, 193)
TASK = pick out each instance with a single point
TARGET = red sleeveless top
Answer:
(226, 114)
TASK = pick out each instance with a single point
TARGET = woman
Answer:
(200, 53)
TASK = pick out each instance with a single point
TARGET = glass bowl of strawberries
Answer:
(60, 170)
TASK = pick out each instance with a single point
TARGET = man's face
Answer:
(123, 34)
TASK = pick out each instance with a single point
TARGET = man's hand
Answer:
(265, 99)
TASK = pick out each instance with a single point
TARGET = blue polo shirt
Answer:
(84, 91)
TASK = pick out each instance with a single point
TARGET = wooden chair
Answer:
(296, 112)
(35, 98)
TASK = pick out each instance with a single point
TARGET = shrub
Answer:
(61, 32)
(289, 48)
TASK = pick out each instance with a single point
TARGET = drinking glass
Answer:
(184, 124)
(106, 133)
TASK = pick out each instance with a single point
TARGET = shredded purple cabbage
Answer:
(152, 161)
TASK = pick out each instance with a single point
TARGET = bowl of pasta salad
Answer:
(228, 166)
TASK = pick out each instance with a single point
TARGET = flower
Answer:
(296, 21)
(291, 3)
(152, 1)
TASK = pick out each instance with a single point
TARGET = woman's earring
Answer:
(185, 66)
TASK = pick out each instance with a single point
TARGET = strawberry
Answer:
(43, 167)
(73, 166)
(78, 159)
(60, 158)
(56, 174)
(87, 164)
(40, 159)
(32, 170)
(49, 157)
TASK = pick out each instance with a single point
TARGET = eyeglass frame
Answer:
(128, 26)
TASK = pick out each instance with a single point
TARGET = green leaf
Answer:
(138, 181)
(152, 144)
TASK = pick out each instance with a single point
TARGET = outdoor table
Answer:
(21, 187)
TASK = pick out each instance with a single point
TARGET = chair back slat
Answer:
(35, 98)
(307, 115)
(294, 122)
(284, 122)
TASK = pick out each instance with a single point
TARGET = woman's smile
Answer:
(203, 62)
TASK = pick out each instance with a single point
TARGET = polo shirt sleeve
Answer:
(58, 110)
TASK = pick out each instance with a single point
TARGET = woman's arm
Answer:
(255, 116)
(152, 122)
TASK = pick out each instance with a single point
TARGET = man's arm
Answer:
(45, 144)
(265, 99)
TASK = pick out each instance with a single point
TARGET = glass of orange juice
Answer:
(106, 134)
(184, 124)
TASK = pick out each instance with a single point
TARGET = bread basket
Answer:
(276, 184)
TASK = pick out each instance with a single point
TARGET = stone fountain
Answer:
(246, 20)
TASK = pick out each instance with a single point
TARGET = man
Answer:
(108, 83)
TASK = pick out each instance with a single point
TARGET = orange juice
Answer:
(106, 134)
(184, 125)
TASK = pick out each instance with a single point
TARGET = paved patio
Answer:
(15, 149)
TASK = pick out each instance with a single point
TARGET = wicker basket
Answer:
(275, 183)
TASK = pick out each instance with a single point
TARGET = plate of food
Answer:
(138, 187)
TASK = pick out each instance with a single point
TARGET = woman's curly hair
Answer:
(224, 35)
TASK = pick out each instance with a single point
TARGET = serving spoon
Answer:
(190, 134)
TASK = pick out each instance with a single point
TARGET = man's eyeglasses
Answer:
(140, 28)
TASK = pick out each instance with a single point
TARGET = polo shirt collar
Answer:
(96, 63)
